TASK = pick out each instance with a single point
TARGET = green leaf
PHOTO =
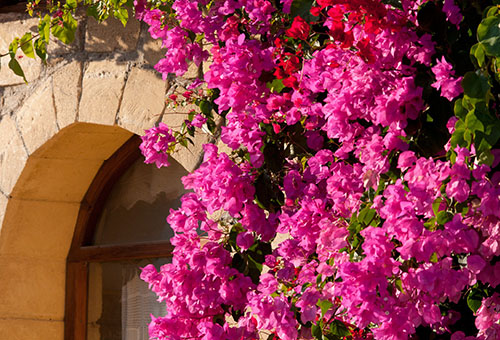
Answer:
(338, 328)
(477, 54)
(492, 10)
(93, 12)
(399, 285)
(473, 123)
(475, 85)
(71, 4)
(183, 142)
(324, 305)
(366, 215)
(459, 109)
(27, 45)
(486, 157)
(316, 332)
(444, 217)
(434, 258)
(41, 48)
(13, 46)
(302, 8)
(474, 300)
(253, 263)
(457, 138)
(430, 224)
(436, 204)
(205, 106)
(66, 32)
(14, 66)
(44, 28)
(276, 85)
(122, 15)
(488, 34)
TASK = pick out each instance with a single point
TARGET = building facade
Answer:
(63, 135)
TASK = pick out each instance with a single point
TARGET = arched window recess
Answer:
(105, 235)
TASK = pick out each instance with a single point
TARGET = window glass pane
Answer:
(139, 203)
(120, 303)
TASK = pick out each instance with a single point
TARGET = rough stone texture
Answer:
(143, 101)
(192, 72)
(111, 35)
(174, 119)
(222, 147)
(66, 83)
(152, 50)
(22, 329)
(36, 118)
(47, 230)
(35, 288)
(48, 179)
(101, 91)
(8, 31)
(12, 155)
(11, 97)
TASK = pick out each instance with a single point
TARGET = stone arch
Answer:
(39, 223)
(40, 218)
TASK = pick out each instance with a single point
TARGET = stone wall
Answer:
(55, 132)
(105, 77)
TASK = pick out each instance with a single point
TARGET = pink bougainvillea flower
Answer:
(450, 86)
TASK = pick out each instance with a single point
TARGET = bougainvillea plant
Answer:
(360, 196)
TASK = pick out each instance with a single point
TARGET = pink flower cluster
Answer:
(156, 144)
(377, 238)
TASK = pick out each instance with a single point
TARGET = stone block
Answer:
(56, 179)
(111, 35)
(192, 72)
(40, 228)
(12, 97)
(102, 87)
(37, 118)
(66, 85)
(174, 120)
(22, 329)
(32, 288)
(13, 155)
(95, 128)
(222, 147)
(143, 101)
(9, 30)
(152, 50)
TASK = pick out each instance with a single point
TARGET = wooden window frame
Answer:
(82, 252)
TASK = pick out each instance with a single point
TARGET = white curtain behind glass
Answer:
(138, 303)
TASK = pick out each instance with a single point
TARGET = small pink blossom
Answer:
(450, 86)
